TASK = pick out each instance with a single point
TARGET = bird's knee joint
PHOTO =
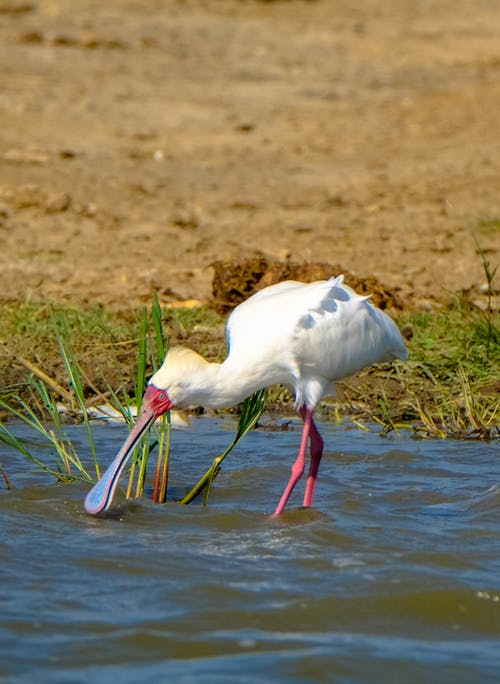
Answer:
(297, 470)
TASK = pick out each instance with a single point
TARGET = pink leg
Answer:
(298, 466)
(316, 454)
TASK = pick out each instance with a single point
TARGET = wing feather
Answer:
(271, 317)
(311, 334)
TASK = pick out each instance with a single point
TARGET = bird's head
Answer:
(155, 402)
(169, 386)
(172, 384)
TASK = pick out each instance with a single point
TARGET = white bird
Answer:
(304, 336)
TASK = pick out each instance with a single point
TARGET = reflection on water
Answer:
(392, 577)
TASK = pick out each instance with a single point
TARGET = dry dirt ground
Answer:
(141, 140)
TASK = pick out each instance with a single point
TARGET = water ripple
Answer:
(394, 571)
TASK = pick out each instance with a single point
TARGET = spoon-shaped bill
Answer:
(101, 495)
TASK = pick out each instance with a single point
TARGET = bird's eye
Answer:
(162, 396)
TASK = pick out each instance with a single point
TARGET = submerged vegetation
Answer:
(58, 363)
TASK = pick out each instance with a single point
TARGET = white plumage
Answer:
(305, 336)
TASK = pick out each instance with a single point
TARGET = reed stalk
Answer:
(163, 458)
(139, 388)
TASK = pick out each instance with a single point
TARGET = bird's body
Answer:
(304, 336)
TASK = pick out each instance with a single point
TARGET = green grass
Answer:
(453, 336)
(64, 462)
(41, 412)
(101, 339)
(452, 378)
(488, 224)
(35, 401)
(104, 341)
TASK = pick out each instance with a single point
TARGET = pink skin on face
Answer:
(155, 402)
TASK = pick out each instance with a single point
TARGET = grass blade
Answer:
(156, 318)
(252, 409)
(139, 387)
(75, 377)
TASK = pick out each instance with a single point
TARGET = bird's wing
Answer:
(271, 316)
(346, 333)
(309, 335)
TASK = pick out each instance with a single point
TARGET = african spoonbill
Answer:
(304, 336)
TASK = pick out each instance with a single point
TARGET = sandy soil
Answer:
(141, 140)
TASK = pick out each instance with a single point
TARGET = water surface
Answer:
(394, 576)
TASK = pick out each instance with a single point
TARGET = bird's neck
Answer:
(191, 380)
(221, 385)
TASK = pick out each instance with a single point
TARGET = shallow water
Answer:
(394, 576)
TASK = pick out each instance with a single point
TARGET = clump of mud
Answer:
(235, 280)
